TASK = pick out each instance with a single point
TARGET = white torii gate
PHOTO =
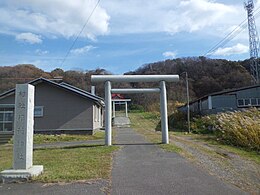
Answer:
(107, 79)
(120, 102)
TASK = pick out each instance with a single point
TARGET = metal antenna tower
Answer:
(254, 42)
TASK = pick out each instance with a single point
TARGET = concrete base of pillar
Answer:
(16, 175)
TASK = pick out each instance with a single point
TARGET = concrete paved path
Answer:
(84, 188)
(121, 121)
(143, 168)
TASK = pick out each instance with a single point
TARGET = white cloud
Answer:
(172, 16)
(41, 52)
(82, 50)
(227, 51)
(66, 18)
(171, 54)
(53, 17)
(29, 38)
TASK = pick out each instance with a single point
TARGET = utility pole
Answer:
(253, 42)
(188, 101)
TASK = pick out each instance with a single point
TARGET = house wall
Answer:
(249, 93)
(221, 103)
(204, 104)
(193, 107)
(224, 101)
(97, 117)
(8, 100)
(62, 110)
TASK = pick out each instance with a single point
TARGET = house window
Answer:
(253, 101)
(38, 111)
(6, 119)
(247, 102)
(240, 102)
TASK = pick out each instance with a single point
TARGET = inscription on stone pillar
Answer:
(23, 126)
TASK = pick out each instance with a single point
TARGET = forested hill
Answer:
(205, 76)
(23, 73)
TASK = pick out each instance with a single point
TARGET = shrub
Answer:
(178, 120)
(204, 125)
(136, 108)
(239, 128)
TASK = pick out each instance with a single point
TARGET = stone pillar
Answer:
(23, 136)
(164, 115)
(23, 126)
(108, 104)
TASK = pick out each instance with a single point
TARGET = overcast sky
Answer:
(121, 35)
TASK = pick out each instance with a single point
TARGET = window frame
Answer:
(254, 104)
(3, 122)
(244, 105)
(240, 105)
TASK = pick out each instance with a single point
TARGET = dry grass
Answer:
(241, 128)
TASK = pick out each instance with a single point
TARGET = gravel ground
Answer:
(224, 164)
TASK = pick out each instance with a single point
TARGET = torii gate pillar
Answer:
(164, 115)
(108, 117)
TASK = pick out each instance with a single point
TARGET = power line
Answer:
(225, 38)
(67, 54)
(230, 35)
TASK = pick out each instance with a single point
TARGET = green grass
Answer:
(42, 138)
(67, 164)
(144, 120)
(6, 156)
(70, 164)
(171, 148)
(154, 116)
(145, 123)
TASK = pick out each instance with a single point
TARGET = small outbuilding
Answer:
(59, 108)
(228, 100)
